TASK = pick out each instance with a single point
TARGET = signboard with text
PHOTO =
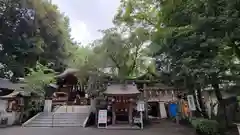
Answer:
(102, 118)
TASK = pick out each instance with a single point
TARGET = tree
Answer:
(33, 31)
(124, 50)
(194, 36)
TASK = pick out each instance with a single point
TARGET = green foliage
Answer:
(26, 39)
(193, 36)
(195, 42)
(38, 78)
(123, 50)
(205, 126)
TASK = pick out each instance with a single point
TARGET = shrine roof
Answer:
(55, 86)
(66, 72)
(7, 84)
(119, 89)
(14, 94)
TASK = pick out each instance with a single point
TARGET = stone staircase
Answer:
(64, 116)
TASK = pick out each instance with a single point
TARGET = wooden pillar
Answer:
(130, 117)
(146, 100)
(113, 115)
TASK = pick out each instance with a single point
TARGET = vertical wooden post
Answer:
(66, 107)
(113, 115)
(145, 90)
(130, 113)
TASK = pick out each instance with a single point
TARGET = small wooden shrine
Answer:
(15, 101)
(12, 93)
(68, 90)
(121, 102)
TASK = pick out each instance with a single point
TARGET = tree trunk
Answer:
(215, 85)
(201, 105)
(191, 89)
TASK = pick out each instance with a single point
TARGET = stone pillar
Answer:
(48, 105)
(93, 105)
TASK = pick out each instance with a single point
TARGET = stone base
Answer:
(123, 127)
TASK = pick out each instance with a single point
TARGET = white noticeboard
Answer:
(191, 102)
(140, 106)
(102, 118)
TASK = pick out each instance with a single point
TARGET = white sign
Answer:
(140, 106)
(102, 117)
(191, 102)
(137, 120)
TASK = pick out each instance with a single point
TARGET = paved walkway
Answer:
(163, 128)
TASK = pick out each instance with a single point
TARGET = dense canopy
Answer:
(189, 43)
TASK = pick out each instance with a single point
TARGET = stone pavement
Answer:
(163, 128)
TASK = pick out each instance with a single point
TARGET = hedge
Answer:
(205, 126)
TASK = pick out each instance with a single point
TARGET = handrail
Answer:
(53, 119)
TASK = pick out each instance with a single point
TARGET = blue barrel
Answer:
(173, 109)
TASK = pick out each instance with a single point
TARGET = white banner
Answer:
(191, 102)
(140, 106)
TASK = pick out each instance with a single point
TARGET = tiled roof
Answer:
(14, 94)
(7, 84)
(118, 89)
(67, 72)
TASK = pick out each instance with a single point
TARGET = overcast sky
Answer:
(88, 16)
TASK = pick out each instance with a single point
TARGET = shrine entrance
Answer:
(121, 108)
(122, 103)
(154, 110)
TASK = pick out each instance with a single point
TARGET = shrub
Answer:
(205, 126)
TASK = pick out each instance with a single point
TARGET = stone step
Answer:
(60, 118)
(79, 116)
(74, 118)
(65, 115)
(55, 122)
(54, 125)
(62, 114)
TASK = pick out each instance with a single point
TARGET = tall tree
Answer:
(124, 49)
(32, 30)
(197, 37)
